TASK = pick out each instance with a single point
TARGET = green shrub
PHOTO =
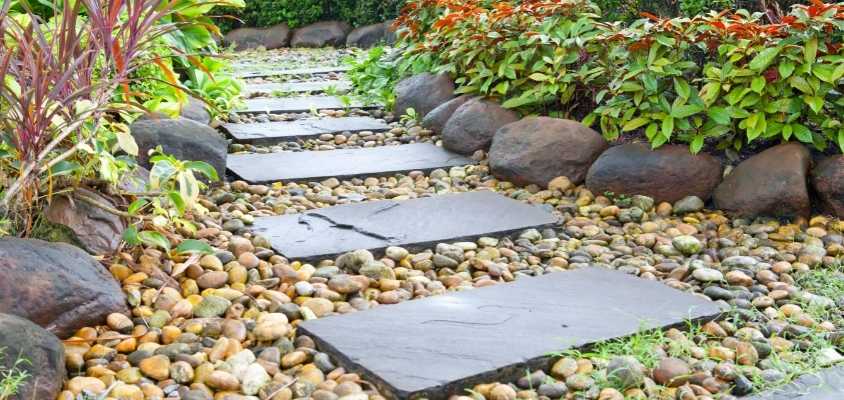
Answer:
(374, 76)
(364, 12)
(728, 79)
(296, 13)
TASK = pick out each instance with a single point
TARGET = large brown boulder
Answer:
(771, 183)
(828, 182)
(668, 173)
(436, 119)
(183, 138)
(321, 34)
(43, 354)
(274, 37)
(536, 150)
(370, 35)
(95, 230)
(56, 285)
(423, 93)
(473, 125)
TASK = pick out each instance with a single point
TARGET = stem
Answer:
(107, 208)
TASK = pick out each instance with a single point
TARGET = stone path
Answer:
(288, 72)
(346, 163)
(410, 223)
(296, 87)
(438, 346)
(824, 385)
(302, 129)
(292, 105)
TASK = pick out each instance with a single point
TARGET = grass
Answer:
(12, 378)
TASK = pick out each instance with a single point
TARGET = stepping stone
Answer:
(414, 224)
(827, 384)
(289, 105)
(297, 71)
(344, 163)
(302, 129)
(296, 87)
(441, 345)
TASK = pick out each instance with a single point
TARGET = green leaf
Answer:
(539, 77)
(786, 68)
(136, 206)
(205, 168)
(697, 144)
(192, 246)
(651, 130)
(130, 236)
(810, 50)
(758, 84)
(682, 88)
(719, 115)
(153, 238)
(667, 127)
(814, 102)
(685, 110)
(763, 59)
(824, 72)
(635, 123)
(802, 133)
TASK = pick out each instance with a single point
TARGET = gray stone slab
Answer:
(296, 71)
(302, 104)
(414, 224)
(296, 87)
(827, 384)
(302, 129)
(344, 163)
(441, 345)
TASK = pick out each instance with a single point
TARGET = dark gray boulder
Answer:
(42, 354)
(56, 285)
(371, 35)
(321, 34)
(274, 37)
(93, 229)
(536, 150)
(473, 125)
(423, 93)
(183, 138)
(196, 110)
(669, 173)
(772, 183)
(436, 119)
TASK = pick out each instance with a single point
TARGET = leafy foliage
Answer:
(373, 76)
(297, 13)
(729, 78)
(13, 377)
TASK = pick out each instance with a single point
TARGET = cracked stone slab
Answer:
(414, 224)
(302, 129)
(343, 163)
(290, 105)
(441, 345)
(827, 384)
(296, 71)
(296, 87)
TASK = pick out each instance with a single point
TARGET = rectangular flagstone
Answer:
(413, 224)
(296, 71)
(302, 129)
(441, 345)
(283, 105)
(343, 163)
(827, 384)
(296, 87)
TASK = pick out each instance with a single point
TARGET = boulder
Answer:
(196, 110)
(273, 37)
(43, 354)
(368, 36)
(56, 285)
(92, 228)
(828, 183)
(423, 93)
(321, 34)
(436, 119)
(771, 183)
(183, 138)
(473, 125)
(536, 150)
(669, 173)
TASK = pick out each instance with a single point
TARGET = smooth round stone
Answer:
(396, 253)
(579, 382)
(707, 275)
(671, 372)
(319, 306)
(181, 372)
(222, 380)
(688, 245)
(502, 392)
(156, 367)
(626, 371)
(564, 368)
(344, 284)
(211, 306)
(304, 288)
(688, 204)
(552, 390)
